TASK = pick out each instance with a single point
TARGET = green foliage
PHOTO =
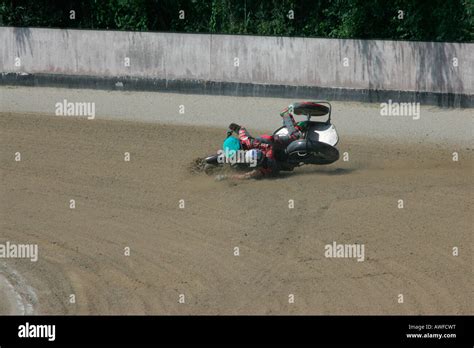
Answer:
(435, 20)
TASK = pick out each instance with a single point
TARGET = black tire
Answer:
(212, 159)
(322, 153)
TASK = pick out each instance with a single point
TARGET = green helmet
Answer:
(230, 146)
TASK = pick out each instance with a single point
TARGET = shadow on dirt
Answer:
(318, 171)
(197, 166)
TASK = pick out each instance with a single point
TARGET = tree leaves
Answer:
(435, 20)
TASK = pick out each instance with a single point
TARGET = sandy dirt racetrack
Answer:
(191, 251)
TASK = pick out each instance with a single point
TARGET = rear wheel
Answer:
(312, 152)
(322, 153)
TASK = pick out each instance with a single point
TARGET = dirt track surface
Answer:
(190, 251)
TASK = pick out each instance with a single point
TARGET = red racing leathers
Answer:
(266, 144)
(269, 165)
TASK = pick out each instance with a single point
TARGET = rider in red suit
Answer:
(294, 131)
(268, 166)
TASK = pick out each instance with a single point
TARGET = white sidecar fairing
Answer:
(318, 131)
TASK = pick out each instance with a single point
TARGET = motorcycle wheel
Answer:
(322, 153)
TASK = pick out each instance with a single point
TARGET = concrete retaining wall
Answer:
(376, 69)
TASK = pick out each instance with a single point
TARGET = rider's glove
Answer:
(234, 126)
